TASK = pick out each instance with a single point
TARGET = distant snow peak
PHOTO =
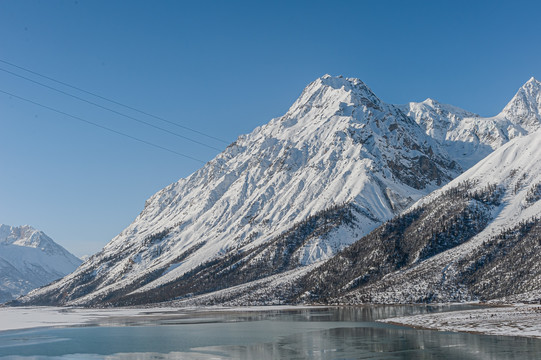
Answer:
(29, 259)
(23, 236)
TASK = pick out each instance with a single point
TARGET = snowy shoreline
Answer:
(25, 318)
(512, 320)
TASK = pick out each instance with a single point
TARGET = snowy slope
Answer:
(500, 260)
(30, 259)
(335, 166)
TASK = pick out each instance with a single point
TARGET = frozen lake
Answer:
(303, 333)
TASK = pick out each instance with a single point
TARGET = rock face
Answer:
(288, 195)
(30, 259)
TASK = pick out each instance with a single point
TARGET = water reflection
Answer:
(317, 333)
(385, 343)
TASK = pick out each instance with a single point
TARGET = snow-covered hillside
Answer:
(477, 238)
(291, 193)
(30, 259)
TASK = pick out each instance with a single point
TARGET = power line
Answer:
(114, 102)
(109, 109)
(101, 126)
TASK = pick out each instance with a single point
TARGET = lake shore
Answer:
(513, 320)
(22, 318)
(516, 320)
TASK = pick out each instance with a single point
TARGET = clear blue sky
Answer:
(221, 67)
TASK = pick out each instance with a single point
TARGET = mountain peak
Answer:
(531, 86)
(26, 236)
(331, 94)
(348, 84)
(339, 81)
(431, 102)
(525, 107)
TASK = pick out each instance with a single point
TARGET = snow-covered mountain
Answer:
(30, 259)
(292, 193)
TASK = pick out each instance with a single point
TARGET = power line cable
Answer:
(102, 127)
(114, 102)
(109, 109)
